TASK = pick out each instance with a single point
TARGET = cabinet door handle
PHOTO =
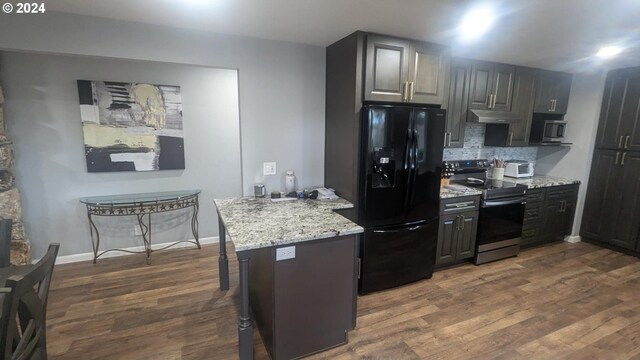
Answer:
(617, 158)
(404, 91)
(489, 98)
(620, 142)
(449, 143)
(511, 138)
(551, 105)
(462, 222)
(624, 155)
(626, 141)
(411, 91)
(555, 104)
(445, 139)
(494, 101)
(457, 224)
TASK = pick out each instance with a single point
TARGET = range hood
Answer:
(492, 117)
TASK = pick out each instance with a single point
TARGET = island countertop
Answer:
(254, 223)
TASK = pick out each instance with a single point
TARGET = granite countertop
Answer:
(538, 181)
(456, 190)
(257, 223)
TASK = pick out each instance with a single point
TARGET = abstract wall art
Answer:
(131, 126)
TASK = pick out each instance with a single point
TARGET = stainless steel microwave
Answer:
(554, 130)
(547, 131)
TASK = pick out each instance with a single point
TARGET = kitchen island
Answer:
(298, 272)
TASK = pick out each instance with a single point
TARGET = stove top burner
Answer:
(473, 173)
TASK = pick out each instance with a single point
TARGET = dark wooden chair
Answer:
(24, 311)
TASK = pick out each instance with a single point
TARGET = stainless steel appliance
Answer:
(400, 164)
(547, 131)
(259, 190)
(501, 209)
(518, 169)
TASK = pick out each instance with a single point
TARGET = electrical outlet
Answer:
(136, 230)
(268, 168)
(286, 253)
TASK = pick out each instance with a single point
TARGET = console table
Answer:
(141, 206)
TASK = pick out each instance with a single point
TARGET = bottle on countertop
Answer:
(289, 182)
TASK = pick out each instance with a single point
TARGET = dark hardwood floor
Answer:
(573, 301)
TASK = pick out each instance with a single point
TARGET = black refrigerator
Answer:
(399, 193)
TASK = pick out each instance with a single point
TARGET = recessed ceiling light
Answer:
(609, 51)
(476, 22)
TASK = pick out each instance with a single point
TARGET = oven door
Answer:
(500, 220)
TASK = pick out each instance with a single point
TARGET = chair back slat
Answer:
(24, 311)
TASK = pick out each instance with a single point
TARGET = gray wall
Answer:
(582, 117)
(281, 89)
(44, 123)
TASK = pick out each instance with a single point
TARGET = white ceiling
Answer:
(555, 34)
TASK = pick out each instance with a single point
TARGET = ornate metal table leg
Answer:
(245, 327)
(145, 231)
(194, 223)
(94, 242)
(223, 262)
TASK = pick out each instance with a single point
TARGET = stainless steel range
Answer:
(501, 209)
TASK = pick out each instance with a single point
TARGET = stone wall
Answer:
(10, 207)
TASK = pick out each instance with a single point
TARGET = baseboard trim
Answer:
(73, 258)
(573, 239)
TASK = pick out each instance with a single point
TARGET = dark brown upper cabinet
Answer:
(457, 103)
(552, 94)
(491, 86)
(400, 70)
(620, 113)
(516, 133)
(387, 68)
(523, 97)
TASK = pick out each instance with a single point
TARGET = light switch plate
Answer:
(286, 253)
(268, 168)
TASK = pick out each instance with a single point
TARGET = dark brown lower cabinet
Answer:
(305, 304)
(612, 205)
(549, 214)
(458, 230)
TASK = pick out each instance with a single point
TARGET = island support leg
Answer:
(245, 327)
(223, 262)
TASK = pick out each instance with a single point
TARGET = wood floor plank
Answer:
(570, 301)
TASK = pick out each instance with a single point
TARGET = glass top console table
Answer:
(141, 206)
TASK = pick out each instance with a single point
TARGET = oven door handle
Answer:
(492, 203)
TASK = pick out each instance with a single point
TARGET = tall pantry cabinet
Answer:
(612, 206)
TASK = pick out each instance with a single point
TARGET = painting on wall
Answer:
(131, 126)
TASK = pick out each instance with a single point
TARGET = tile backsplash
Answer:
(474, 148)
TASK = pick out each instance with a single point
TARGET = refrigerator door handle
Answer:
(408, 163)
